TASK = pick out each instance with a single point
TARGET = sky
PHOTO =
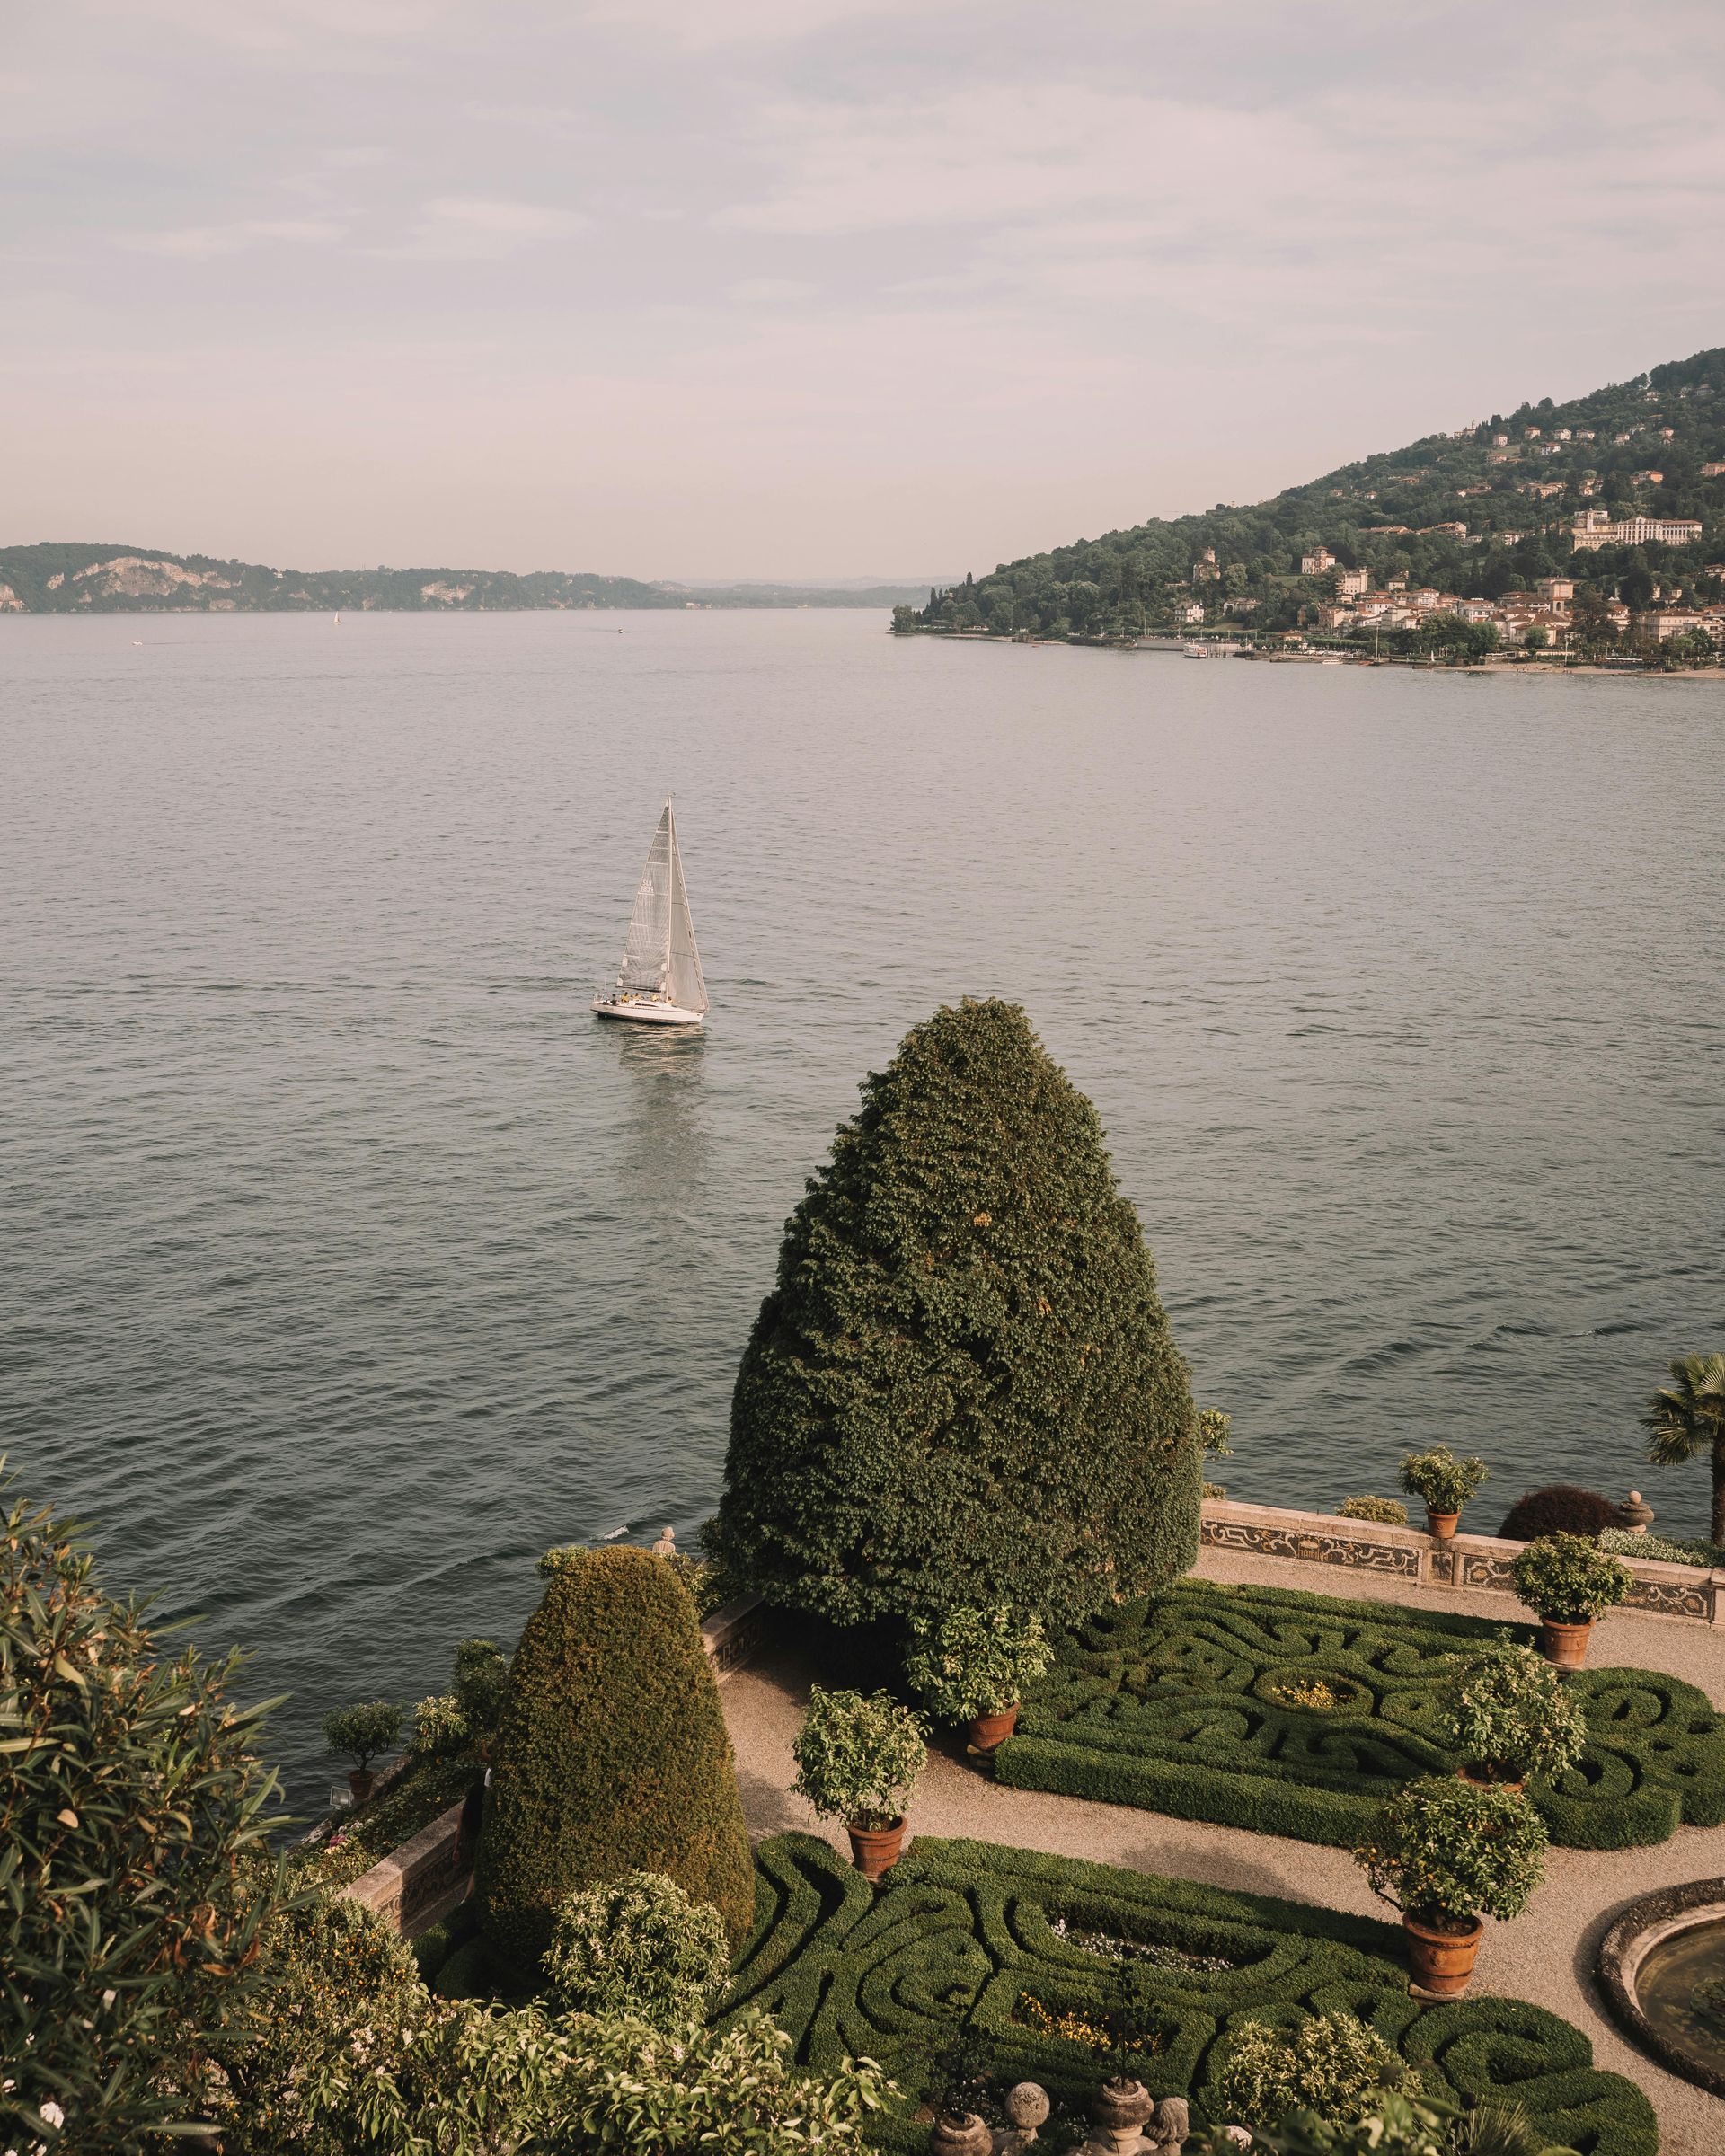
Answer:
(806, 288)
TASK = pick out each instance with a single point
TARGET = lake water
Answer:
(350, 1263)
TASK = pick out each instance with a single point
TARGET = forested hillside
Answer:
(1474, 515)
(89, 579)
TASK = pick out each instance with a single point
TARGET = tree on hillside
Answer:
(962, 1388)
(133, 1874)
(611, 1756)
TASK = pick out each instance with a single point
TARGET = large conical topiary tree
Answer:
(963, 1388)
(611, 1756)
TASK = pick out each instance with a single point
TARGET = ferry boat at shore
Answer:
(660, 981)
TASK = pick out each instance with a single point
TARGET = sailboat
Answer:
(659, 983)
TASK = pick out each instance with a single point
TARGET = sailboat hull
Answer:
(641, 1012)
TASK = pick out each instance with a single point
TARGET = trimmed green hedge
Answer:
(1166, 1704)
(962, 1932)
(611, 1756)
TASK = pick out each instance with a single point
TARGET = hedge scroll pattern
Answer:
(1189, 1703)
(963, 1932)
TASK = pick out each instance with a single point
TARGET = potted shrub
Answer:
(858, 1759)
(361, 1732)
(962, 2077)
(1443, 1484)
(1510, 1716)
(1571, 1582)
(1447, 1853)
(972, 1666)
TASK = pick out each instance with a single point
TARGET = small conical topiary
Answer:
(611, 1756)
(963, 1389)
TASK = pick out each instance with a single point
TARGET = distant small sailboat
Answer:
(660, 982)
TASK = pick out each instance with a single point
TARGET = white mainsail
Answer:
(688, 984)
(659, 956)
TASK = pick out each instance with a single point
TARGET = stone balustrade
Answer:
(1415, 1560)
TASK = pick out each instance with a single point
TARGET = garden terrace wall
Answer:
(420, 1881)
(1414, 1559)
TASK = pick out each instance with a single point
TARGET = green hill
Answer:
(77, 578)
(1477, 514)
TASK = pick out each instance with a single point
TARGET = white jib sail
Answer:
(646, 953)
(687, 987)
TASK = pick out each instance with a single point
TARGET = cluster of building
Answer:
(1547, 606)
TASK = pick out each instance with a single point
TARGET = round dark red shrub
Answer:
(1559, 1508)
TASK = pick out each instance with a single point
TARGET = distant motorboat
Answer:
(660, 982)
(1197, 651)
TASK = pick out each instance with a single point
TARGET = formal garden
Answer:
(1068, 1971)
(965, 1458)
(1300, 1714)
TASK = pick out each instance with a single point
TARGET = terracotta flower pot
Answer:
(1441, 1962)
(1477, 1775)
(1441, 1525)
(964, 2136)
(991, 1729)
(1119, 2109)
(362, 1782)
(1565, 1646)
(874, 1850)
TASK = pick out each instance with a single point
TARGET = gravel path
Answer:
(1545, 1955)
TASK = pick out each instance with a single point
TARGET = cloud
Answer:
(195, 243)
(453, 229)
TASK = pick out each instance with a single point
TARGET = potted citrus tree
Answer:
(972, 1666)
(1571, 1582)
(1510, 1716)
(1443, 1484)
(361, 1732)
(1447, 1854)
(858, 1758)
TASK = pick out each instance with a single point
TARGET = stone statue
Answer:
(666, 1546)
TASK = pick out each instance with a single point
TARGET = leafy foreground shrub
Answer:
(1189, 1704)
(1400, 2123)
(964, 1932)
(353, 2058)
(1334, 2065)
(972, 1662)
(962, 1388)
(638, 1945)
(611, 1756)
(1559, 1508)
(1388, 1512)
(134, 1878)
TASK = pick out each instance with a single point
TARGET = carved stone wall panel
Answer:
(1312, 1546)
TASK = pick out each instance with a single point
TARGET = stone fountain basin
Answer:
(1644, 1926)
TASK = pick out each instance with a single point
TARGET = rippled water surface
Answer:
(349, 1262)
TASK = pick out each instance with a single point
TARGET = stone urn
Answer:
(1637, 1514)
(1565, 1646)
(362, 1782)
(1119, 2109)
(1441, 1962)
(988, 1730)
(875, 1849)
(1026, 2106)
(959, 2136)
(1441, 1525)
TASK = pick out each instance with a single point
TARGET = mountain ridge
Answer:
(85, 576)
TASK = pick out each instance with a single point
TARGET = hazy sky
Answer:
(805, 288)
